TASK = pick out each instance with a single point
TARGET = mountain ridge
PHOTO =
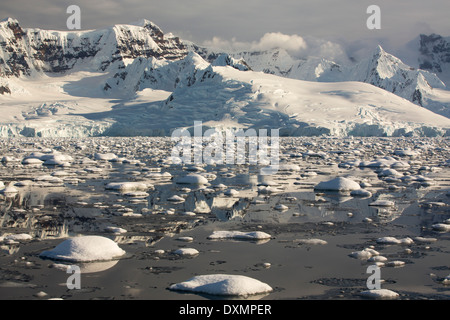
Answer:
(67, 83)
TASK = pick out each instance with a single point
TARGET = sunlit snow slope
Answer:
(131, 80)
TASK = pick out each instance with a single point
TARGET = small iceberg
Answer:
(255, 235)
(223, 285)
(338, 184)
(380, 294)
(186, 252)
(192, 179)
(85, 249)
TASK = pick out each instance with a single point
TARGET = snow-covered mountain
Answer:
(136, 80)
(380, 69)
(434, 55)
(28, 51)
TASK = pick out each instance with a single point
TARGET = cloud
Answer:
(296, 45)
(291, 43)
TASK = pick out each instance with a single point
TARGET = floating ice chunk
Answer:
(185, 239)
(159, 176)
(176, 198)
(6, 159)
(382, 203)
(136, 194)
(115, 230)
(380, 294)
(268, 190)
(425, 240)
(395, 263)
(193, 179)
(16, 237)
(33, 161)
(125, 186)
(393, 240)
(338, 184)
(231, 192)
(255, 235)
(281, 207)
(312, 241)
(105, 156)
(389, 173)
(377, 259)
(85, 249)
(364, 254)
(223, 284)
(9, 191)
(186, 252)
(361, 193)
(406, 152)
(441, 227)
(188, 213)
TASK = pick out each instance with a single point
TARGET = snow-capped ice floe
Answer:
(425, 240)
(192, 179)
(395, 263)
(85, 249)
(441, 227)
(254, 235)
(393, 240)
(380, 294)
(223, 284)
(186, 252)
(116, 230)
(128, 186)
(311, 241)
(105, 156)
(338, 184)
(176, 198)
(16, 237)
(382, 203)
(364, 254)
(361, 193)
(231, 192)
(9, 191)
(281, 207)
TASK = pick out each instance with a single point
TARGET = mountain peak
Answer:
(9, 20)
(143, 23)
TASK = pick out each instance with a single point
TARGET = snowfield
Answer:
(133, 80)
(223, 98)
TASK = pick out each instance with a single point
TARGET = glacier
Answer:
(134, 80)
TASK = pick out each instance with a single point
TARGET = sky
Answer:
(249, 22)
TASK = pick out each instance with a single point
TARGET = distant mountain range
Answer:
(135, 80)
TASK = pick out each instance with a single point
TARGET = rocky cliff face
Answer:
(435, 54)
(26, 51)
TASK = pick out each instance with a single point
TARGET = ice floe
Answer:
(338, 184)
(85, 249)
(379, 294)
(223, 285)
(254, 235)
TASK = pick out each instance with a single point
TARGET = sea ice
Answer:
(441, 227)
(312, 241)
(186, 252)
(85, 249)
(380, 294)
(393, 240)
(338, 184)
(223, 284)
(255, 235)
(193, 179)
